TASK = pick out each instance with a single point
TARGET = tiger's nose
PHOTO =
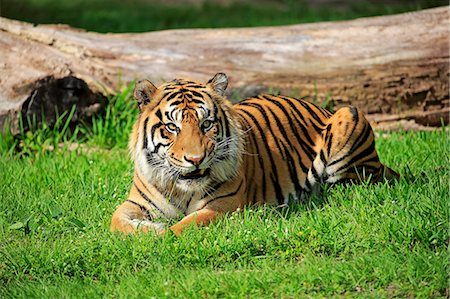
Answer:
(195, 159)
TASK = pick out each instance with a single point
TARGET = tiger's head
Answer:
(187, 134)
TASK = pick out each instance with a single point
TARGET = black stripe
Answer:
(291, 103)
(188, 203)
(307, 106)
(365, 153)
(169, 115)
(362, 138)
(293, 173)
(308, 150)
(359, 169)
(176, 103)
(325, 113)
(197, 94)
(261, 109)
(281, 129)
(340, 159)
(292, 123)
(322, 158)
(221, 122)
(143, 209)
(158, 146)
(197, 101)
(370, 150)
(170, 96)
(278, 192)
(307, 184)
(330, 141)
(158, 114)
(139, 205)
(302, 166)
(260, 160)
(290, 161)
(353, 148)
(349, 135)
(354, 112)
(277, 120)
(164, 134)
(144, 138)
(154, 128)
(205, 111)
(252, 187)
(146, 198)
(316, 128)
(315, 173)
(226, 123)
(224, 196)
(195, 86)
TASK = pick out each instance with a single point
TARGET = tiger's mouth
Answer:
(195, 175)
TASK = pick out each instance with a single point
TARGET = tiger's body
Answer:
(198, 156)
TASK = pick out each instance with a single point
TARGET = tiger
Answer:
(198, 157)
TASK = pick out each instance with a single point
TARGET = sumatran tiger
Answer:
(197, 156)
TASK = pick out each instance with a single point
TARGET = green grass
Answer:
(367, 241)
(138, 16)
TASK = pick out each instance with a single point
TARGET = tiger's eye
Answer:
(207, 124)
(171, 127)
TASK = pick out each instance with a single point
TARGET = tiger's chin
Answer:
(194, 181)
(197, 174)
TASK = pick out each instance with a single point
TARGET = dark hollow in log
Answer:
(52, 97)
(395, 68)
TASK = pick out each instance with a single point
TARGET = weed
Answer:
(113, 126)
(39, 138)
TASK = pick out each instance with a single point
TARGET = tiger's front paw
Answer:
(162, 233)
(146, 226)
(134, 226)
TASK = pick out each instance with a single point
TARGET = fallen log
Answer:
(395, 68)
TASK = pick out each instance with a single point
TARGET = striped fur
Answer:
(197, 156)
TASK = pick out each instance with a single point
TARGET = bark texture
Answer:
(395, 68)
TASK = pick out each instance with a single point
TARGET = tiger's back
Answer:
(294, 145)
(283, 139)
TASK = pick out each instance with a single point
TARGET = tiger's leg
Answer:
(348, 151)
(201, 217)
(130, 218)
(229, 202)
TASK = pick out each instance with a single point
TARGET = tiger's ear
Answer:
(143, 92)
(219, 83)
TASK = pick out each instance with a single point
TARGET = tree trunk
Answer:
(395, 68)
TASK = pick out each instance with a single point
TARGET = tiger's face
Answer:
(187, 134)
